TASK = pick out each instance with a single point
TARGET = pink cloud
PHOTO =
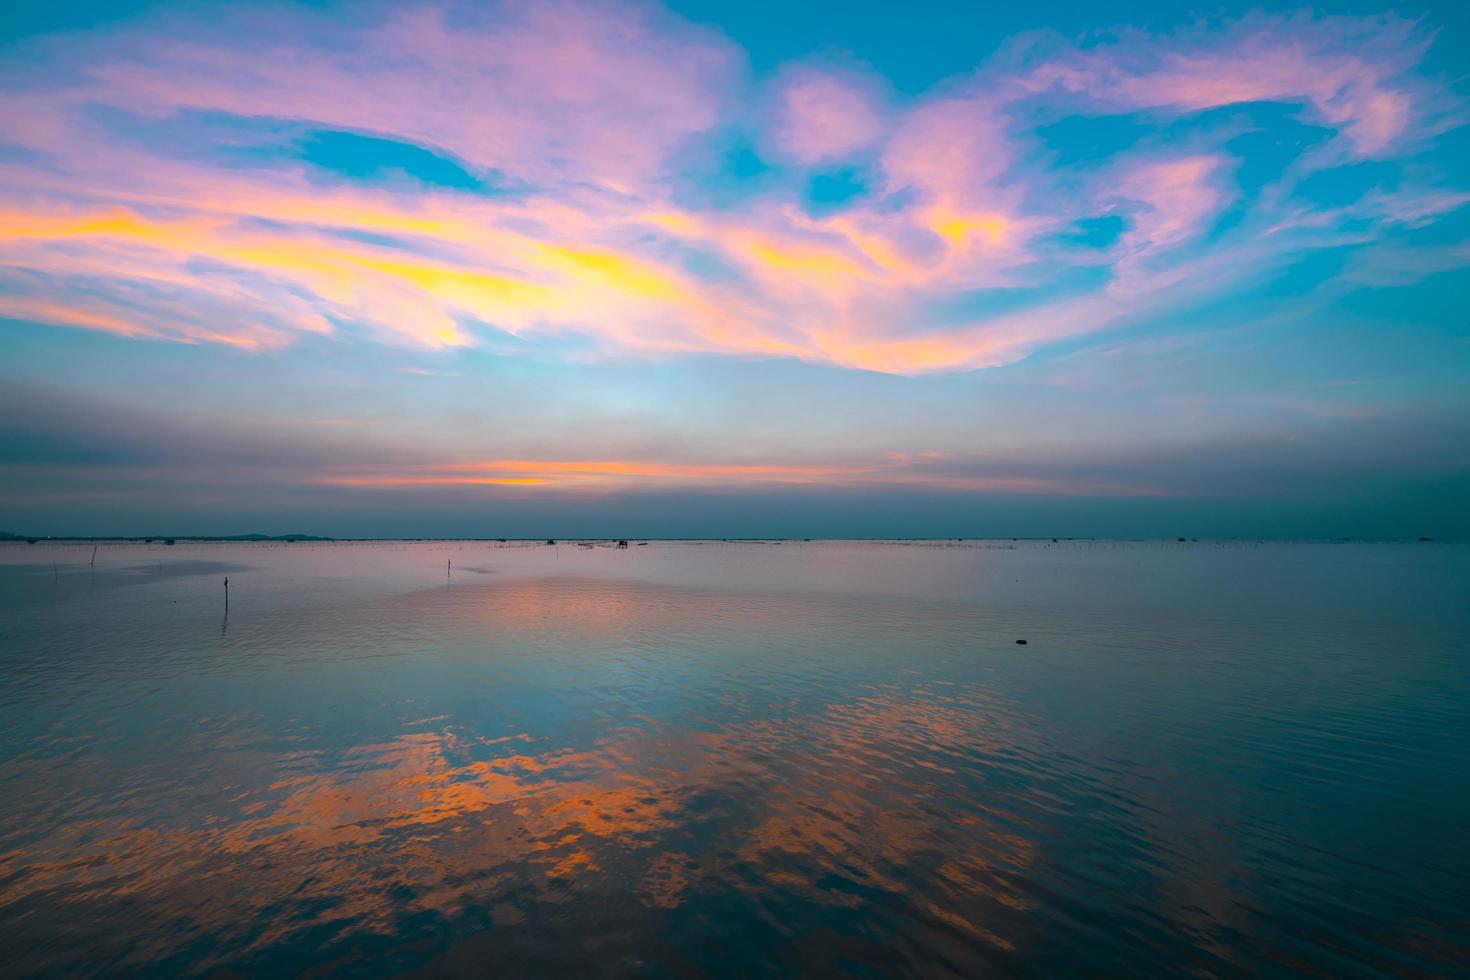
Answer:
(589, 108)
(1170, 201)
(955, 148)
(535, 91)
(1354, 75)
(824, 116)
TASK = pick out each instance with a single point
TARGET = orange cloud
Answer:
(934, 471)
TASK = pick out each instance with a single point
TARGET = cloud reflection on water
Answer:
(501, 773)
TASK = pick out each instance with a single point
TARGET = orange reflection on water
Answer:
(824, 804)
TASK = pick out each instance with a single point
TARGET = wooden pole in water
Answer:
(227, 593)
(94, 556)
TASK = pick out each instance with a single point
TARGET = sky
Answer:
(734, 269)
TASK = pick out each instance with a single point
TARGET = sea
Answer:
(954, 758)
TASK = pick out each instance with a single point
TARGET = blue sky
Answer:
(724, 269)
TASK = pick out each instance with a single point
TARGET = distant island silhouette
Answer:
(166, 538)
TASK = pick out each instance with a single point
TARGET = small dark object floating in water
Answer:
(550, 541)
(1021, 642)
(169, 541)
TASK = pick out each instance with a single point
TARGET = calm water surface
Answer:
(728, 759)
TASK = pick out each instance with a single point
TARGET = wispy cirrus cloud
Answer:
(1355, 75)
(435, 175)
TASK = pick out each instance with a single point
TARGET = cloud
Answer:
(542, 92)
(80, 463)
(1353, 74)
(1171, 201)
(823, 116)
(1392, 266)
(933, 471)
(437, 176)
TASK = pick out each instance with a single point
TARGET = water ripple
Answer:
(727, 759)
